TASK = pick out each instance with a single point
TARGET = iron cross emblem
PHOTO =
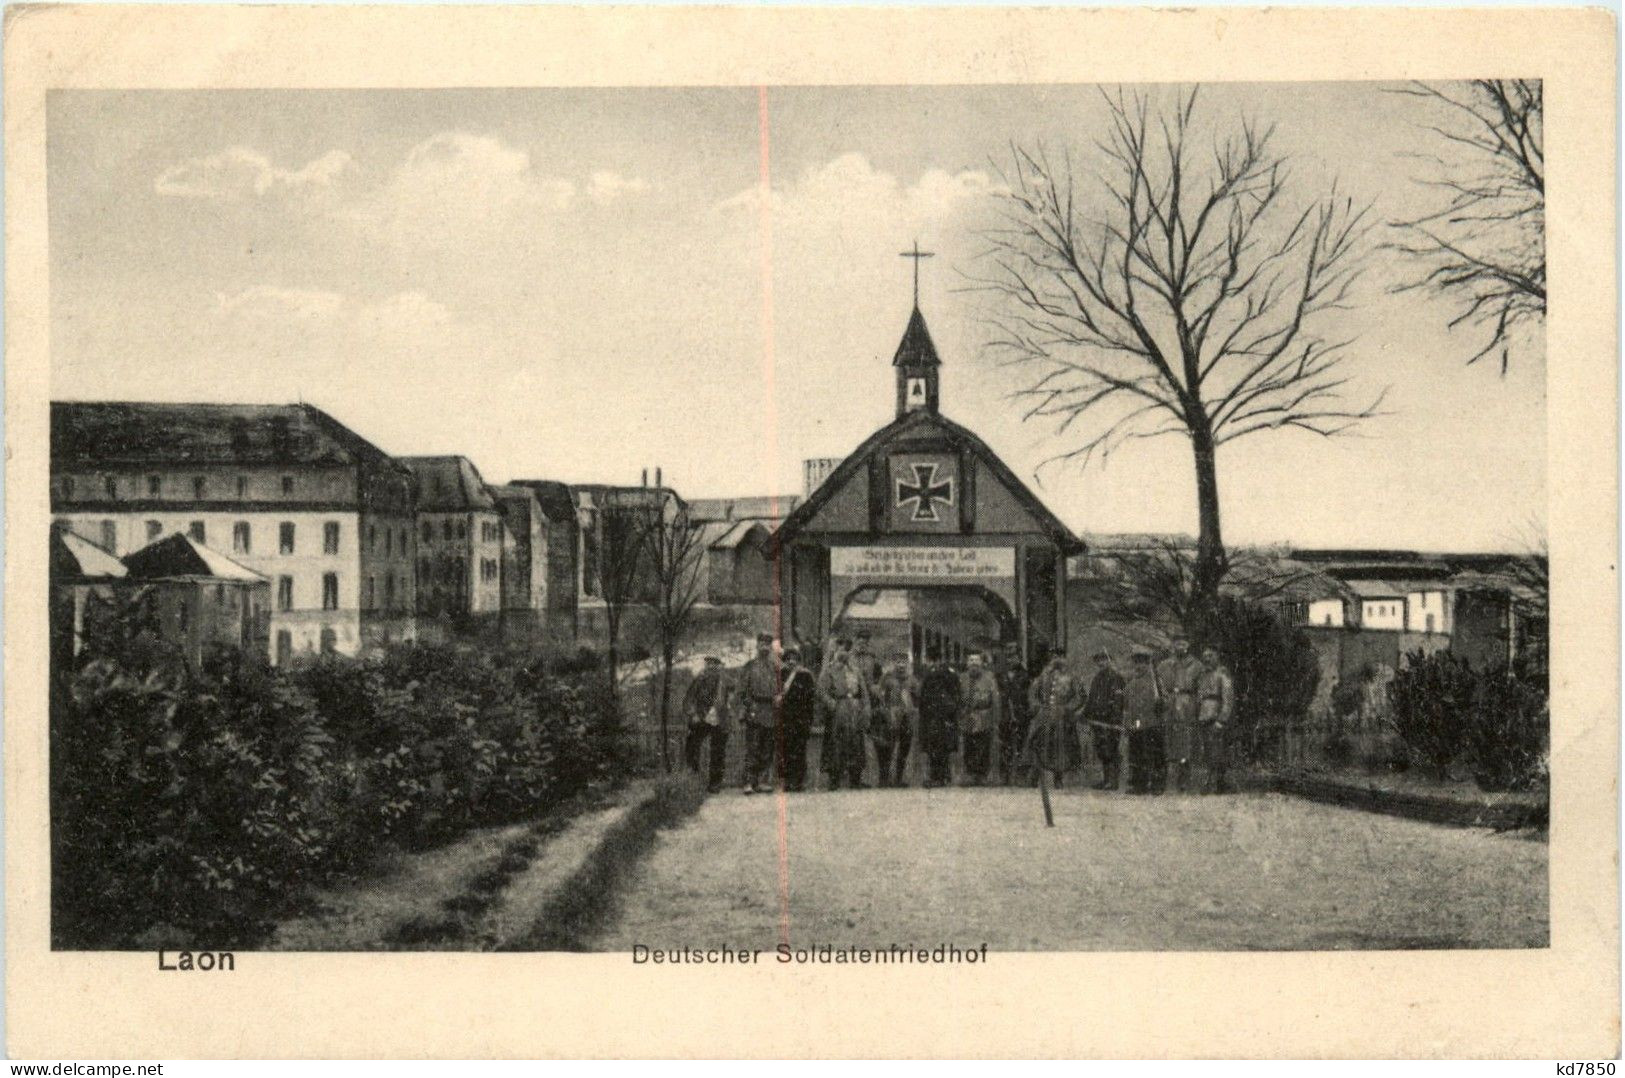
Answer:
(925, 492)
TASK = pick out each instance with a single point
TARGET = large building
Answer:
(459, 546)
(286, 490)
(563, 586)
(524, 562)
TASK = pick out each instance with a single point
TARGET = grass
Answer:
(585, 902)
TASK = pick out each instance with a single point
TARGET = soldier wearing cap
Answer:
(1103, 711)
(705, 706)
(1053, 744)
(758, 690)
(982, 706)
(940, 696)
(845, 694)
(1215, 704)
(868, 663)
(1016, 717)
(796, 704)
(891, 725)
(1177, 676)
(1142, 720)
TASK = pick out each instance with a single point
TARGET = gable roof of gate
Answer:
(912, 423)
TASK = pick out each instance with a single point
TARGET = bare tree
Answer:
(1483, 247)
(1176, 293)
(674, 550)
(615, 570)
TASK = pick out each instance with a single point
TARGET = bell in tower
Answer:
(916, 363)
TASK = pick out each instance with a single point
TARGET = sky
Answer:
(580, 284)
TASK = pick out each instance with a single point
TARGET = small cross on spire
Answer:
(916, 254)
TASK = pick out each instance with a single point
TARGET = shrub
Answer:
(1507, 735)
(1272, 663)
(192, 806)
(1432, 697)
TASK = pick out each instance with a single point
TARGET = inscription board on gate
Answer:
(941, 563)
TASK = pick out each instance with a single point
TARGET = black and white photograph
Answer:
(775, 528)
(1084, 517)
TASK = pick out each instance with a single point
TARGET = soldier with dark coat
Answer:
(982, 707)
(1016, 716)
(845, 693)
(1103, 711)
(758, 692)
(939, 717)
(706, 707)
(1177, 676)
(796, 705)
(891, 727)
(1053, 699)
(1143, 721)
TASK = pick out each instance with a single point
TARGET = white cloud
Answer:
(238, 174)
(605, 187)
(849, 195)
(399, 316)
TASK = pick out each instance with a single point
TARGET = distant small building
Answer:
(203, 601)
(459, 530)
(737, 567)
(83, 578)
(524, 560)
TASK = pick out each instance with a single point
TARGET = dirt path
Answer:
(1255, 871)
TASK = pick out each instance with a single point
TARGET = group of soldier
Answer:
(1167, 718)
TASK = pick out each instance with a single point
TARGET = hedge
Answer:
(191, 807)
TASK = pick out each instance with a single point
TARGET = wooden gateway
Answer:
(924, 503)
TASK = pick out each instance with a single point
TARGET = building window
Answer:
(330, 591)
(428, 532)
(372, 538)
(330, 537)
(389, 542)
(242, 486)
(110, 536)
(446, 531)
(285, 537)
(200, 487)
(284, 593)
(389, 591)
(154, 530)
(112, 487)
(198, 532)
(371, 592)
(182, 614)
(330, 640)
(462, 530)
(403, 542)
(242, 538)
(284, 646)
(287, 486)
(155, 485)
(219, 595)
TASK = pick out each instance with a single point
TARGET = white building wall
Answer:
(1421, 606)
(1326, 612)
(306, 565)
(1383, 613)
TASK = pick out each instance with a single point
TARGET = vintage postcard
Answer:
(520, 518)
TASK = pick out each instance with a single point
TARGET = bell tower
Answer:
(916, 360)
(917, 365)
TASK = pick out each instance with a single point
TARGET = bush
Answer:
(1272, 663)
(1432, 697)
(1507, 735)
(195, 805)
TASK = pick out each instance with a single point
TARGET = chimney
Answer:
(645, 481)
(657, 477)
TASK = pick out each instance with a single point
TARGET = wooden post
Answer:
(1043, 791)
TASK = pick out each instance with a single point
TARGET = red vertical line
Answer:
(770, 462)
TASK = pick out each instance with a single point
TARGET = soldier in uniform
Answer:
(939, 717)
(892, 726)
(1177, 676)
(1014, 682)
(1216, 703)
(867, 663)
(796, 704)
(705, 706)
(1053, 701)
(758, 691)
(845, 693)
(1103, 711)
(982, 708)
(1143, 721)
